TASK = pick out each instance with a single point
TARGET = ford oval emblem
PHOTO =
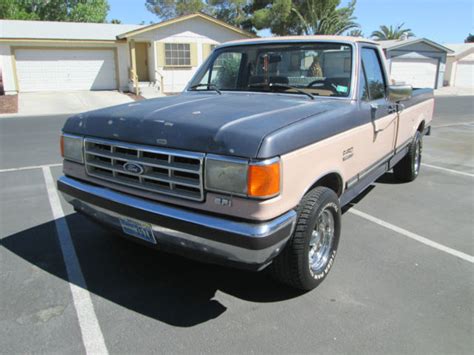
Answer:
(133, 168)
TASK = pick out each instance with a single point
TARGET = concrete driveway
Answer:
(53, 103)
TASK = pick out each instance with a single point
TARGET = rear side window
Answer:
(373, 73)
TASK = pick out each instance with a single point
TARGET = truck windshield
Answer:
(320, 69)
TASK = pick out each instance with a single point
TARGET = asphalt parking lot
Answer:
(402, 281)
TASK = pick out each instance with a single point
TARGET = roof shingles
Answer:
(16, 29)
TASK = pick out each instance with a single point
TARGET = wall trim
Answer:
(184, 18)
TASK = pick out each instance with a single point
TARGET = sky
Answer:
(443, 21)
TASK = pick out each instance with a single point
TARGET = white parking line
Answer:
(92, 337)
(453, 124)
(30, 167)
(413, 236)
(457, 172)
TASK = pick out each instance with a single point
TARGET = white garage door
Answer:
(420, 73)
(64, 69)
(464, 74)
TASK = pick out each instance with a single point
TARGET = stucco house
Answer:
(460, 66)
(61, 56)
(416, 61)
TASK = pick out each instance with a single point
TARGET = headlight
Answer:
(226, 175)
(71, 148)
(243, 178)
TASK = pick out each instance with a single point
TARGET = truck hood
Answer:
(230, 124)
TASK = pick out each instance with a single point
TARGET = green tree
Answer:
(115, 21)
(326, 17)
(355, 33)
(89, 11)
(308, 17)
(17, 10)
(167, 9)
(233, 12)
(55, 10)
(469, 38)
(392, 32)
(277, 16)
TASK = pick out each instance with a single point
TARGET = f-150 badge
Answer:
(347, 154)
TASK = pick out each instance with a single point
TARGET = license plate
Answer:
(138, 230)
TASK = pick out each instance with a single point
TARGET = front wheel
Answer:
(408, 168)
(309, 254)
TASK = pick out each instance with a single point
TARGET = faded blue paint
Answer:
(250, 125)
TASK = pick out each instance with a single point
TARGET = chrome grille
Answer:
(165, 171)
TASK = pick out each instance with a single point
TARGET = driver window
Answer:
(225, 70)
(373, 72)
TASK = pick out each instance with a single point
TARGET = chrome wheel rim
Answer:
(417, 161)
(321, 241)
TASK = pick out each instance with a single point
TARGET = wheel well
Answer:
(421, 127)
(332, 181)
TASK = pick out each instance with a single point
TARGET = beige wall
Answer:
(6, 64)
(196, 31)
(451, 65)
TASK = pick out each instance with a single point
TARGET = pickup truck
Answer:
(251, 164)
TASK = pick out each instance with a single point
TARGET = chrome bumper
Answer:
(196, 235)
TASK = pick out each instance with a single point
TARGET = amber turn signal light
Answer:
(263, 180)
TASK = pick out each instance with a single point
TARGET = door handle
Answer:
(390, 108)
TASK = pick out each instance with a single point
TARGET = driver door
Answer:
(377, 110)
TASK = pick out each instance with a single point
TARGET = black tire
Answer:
(293, 267)
(408, 168)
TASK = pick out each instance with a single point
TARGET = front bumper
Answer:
(192, 234)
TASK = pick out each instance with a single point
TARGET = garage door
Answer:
(420, 73)
(464, 74)
(64, 69)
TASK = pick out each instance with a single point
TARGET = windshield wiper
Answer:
(286, 86)
(283, 86)
(208, 86)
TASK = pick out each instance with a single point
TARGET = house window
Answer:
(177, 54)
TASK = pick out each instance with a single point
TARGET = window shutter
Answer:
(194, 58)
(160, 54)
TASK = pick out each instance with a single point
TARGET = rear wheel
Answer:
(408, 168)
(309, 254)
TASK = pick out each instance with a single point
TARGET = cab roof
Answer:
(286, 39)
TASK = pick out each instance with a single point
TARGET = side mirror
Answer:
(397, 93)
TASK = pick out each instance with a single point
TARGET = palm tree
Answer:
(392, 32)
(355, 33)
(324, 17)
